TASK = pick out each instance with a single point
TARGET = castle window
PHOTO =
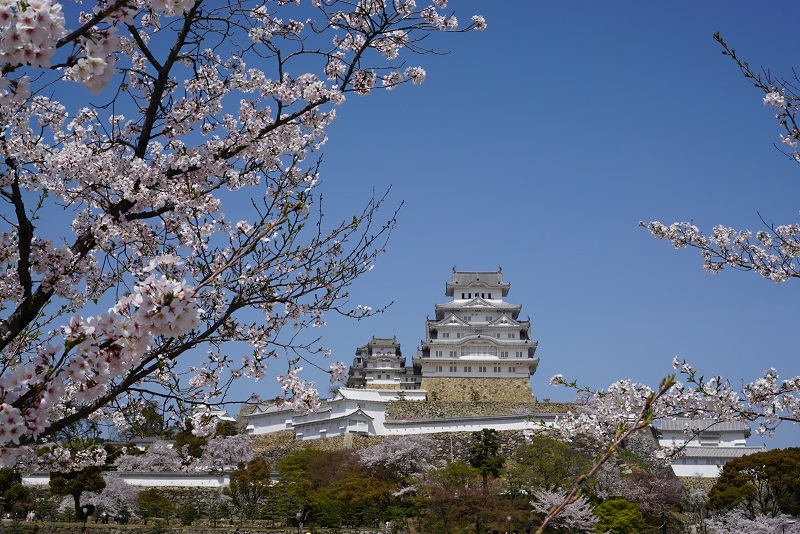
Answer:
(497, 335)
(467, 318)
(512, 369)
(379, 377)
(453, 368)
(458, 335)
(468, 369)
(488, 318)
(519, 354)
(490, 295)
(438, 354)
(445, 334)
(511, 336)
(481, 369)
(462, 295)
(438, 368)
(497, 369)
(504, 354)
(454, 354)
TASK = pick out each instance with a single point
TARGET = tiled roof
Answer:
(334, 418)
(361, 394)
(681, 423)
(720, 452)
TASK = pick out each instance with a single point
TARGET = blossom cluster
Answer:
(735, 521)
(773, 254)
(298, 393)
(29, 30)
(96, 350)
(577, 514)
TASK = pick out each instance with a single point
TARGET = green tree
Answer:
(544, 463)
(363, 495)
(454, 498)
(764, 483)
(333, 488)
(250, 487)
(188, 513)
(485, 455)
(619, 516)
(75, 483)
(19, 498)
(8, 478)
(152, 503)
(187, 444)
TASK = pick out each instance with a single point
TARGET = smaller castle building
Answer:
(380, 365)
(708, 444)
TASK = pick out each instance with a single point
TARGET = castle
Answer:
(475, 349)
(473, 368)
(474, 340)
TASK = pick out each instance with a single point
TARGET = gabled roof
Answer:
(451, 320)
(505, 320)
(357, 411)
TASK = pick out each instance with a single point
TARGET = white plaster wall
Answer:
(708, 470)
(163, 480)
(432, 427)
(269, 422)
(726, 439)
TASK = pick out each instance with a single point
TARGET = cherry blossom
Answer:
(735, 521)
(123, 275)
(577, 515)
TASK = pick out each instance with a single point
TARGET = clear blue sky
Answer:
(540, 144)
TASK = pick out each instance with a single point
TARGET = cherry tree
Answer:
(735, 521)
(159, 457)
(225, 453)
(655, 495)
(163, 235)
(576, 515)
(116, 498)
(403, 455)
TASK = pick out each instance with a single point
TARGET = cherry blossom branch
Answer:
(641, 420)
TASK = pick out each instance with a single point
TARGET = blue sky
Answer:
(540, 144)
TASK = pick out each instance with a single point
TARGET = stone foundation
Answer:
(478, 389)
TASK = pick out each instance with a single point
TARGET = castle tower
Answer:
(380, 365)
(477, 348)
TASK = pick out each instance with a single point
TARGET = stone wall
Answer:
(276, 446)
(409, 410)
(478, 389)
